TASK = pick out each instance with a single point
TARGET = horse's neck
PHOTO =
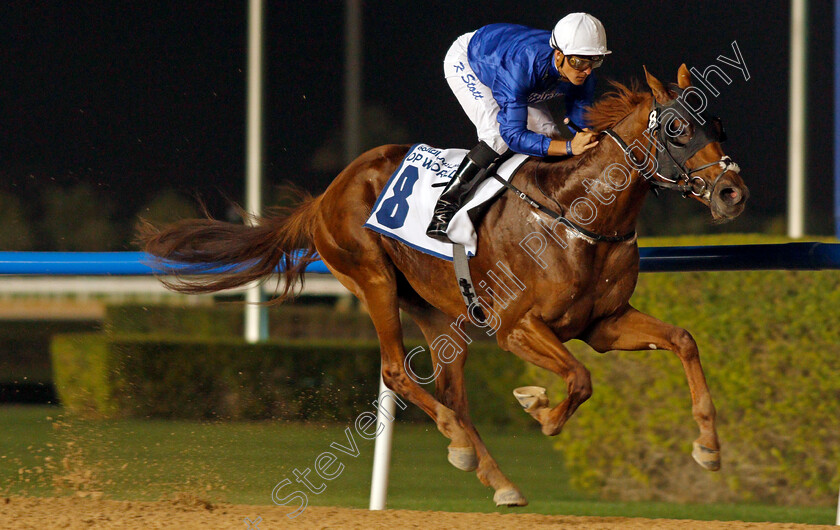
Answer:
(616, 209)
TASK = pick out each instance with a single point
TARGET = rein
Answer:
(560, 217)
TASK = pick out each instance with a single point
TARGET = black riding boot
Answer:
(476, 161)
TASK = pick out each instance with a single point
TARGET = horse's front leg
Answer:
(532, 340)
(633, 330)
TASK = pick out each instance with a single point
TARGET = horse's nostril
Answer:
(730, 196)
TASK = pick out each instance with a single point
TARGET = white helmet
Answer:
(580, 34)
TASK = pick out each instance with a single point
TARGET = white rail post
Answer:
(385, 416)
(798, 118)
(256, 316)
(837, 522)
(353, 36)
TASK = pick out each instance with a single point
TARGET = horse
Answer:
(576, 290)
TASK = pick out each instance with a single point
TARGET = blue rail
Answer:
(786, 256)
(97, 264)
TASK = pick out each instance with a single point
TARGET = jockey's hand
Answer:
(583, 141)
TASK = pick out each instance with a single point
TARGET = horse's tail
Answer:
(243, 253)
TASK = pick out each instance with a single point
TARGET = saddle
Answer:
(406, 203)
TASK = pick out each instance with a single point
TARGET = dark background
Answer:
(134, 98)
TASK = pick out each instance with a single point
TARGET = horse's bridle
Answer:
(670, 171)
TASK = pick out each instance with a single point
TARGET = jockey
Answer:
(501, 75)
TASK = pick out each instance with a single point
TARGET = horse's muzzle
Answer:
(729, 197)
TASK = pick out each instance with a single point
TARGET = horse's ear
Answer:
(656, 87)
(683, 77)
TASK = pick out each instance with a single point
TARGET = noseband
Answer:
(670, 171)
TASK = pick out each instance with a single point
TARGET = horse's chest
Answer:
(593, 293)
(611, 292)
(600, 296)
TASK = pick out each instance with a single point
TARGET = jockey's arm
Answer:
(515, 133)
(513, 127)
(513, 122)
(580, 143)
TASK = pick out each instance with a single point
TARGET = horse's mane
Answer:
(615, 105)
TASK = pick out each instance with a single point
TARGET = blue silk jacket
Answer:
(517, 64)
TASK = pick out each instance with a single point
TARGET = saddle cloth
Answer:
(405, 206)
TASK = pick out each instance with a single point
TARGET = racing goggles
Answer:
(582, 63)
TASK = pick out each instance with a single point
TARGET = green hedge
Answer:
(141, 376)
(770, 347)
(79, 362)
(769, 342)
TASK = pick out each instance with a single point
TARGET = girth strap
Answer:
(461, 262)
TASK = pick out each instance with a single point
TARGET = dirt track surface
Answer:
(73, 512)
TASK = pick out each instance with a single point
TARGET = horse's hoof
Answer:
(708, 458)
(509, 497)
(531, 397)
(463, 458)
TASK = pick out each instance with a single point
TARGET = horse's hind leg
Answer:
(451, 391)
(532, 340)
(380, 296)
(374, 282)
(633, 330)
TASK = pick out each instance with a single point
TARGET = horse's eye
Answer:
(679, 132)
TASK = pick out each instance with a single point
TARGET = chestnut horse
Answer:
(584, 293)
